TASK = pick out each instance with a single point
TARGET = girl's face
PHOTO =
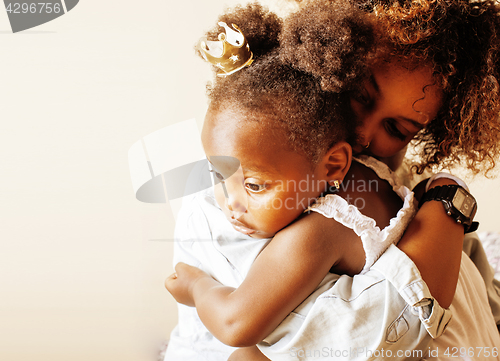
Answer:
(272, 186)
(394, 104)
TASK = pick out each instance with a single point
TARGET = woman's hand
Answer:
(181, 283)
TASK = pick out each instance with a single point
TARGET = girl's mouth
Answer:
(240, 227)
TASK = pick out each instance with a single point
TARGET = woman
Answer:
(433, 78)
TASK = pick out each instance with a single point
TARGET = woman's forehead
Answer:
(414, 88)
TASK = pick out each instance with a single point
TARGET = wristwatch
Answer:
(458, 203)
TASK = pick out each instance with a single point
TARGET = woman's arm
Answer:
(285, 273)
(433, 241)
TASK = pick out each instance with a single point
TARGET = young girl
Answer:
(294, 123)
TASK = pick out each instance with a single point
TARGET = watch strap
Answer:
(446, 193)
(438, 193)
(472, 228)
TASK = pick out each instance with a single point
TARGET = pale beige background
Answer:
(79, 277)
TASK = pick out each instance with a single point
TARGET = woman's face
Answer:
(393, 105)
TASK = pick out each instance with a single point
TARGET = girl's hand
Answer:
(181, 283)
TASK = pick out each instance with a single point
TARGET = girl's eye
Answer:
(255, 188)
(392, 129)
(219, 176)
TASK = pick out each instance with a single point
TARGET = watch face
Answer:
(464, 202)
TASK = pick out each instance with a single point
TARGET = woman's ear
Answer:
(337, 161)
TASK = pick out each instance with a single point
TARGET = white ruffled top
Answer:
(375, 241)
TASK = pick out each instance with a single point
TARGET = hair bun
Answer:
(329, 39)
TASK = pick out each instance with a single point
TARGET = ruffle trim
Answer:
(375, 241)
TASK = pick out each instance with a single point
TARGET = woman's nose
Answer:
(363, 140)
(366, 141)
(366, 130)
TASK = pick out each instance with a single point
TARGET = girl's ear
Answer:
(337, 161)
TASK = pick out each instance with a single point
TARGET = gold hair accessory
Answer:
(367, 145)
(230, 54)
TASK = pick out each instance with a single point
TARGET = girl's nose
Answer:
(235, 204)
(236, 200)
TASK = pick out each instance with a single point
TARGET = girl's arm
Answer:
(285, 273)
(433, 241)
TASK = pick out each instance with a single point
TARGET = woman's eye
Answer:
(393, 130)
(255, 188)
(362, 96)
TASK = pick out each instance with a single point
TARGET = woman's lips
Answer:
(240, 227)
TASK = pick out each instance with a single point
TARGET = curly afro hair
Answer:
(332, 40)
(460, 39)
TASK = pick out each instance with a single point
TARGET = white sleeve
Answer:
(459, 181)
(388, 309)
